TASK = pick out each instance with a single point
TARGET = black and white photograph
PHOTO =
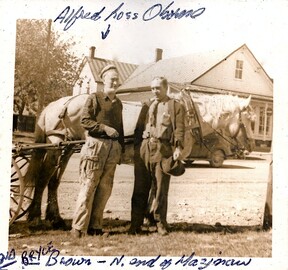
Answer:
(143, 134)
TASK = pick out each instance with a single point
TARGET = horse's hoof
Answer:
(37, 225)
(60, 225)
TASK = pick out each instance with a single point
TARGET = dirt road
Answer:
(232, 195)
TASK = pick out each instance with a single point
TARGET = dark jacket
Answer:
(177, 112)
(98, 111)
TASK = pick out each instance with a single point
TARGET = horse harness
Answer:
(234, 137)
(62, 133)
(195, 126)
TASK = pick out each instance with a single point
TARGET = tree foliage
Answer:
(45, 67)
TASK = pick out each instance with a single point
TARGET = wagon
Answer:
(22, 194)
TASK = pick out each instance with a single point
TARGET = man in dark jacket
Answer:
(161, 126)
(102, 118)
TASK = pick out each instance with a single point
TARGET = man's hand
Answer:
(177, 155)
(111, 132)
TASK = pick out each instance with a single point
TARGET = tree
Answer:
(45, 67)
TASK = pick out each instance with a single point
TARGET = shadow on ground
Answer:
(22, 229)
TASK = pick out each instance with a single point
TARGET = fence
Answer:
(24, 123)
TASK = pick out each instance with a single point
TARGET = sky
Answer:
(224, 25)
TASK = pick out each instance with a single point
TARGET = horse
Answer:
(60, 121)
(227, 115)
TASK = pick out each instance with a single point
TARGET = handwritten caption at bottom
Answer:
(49, 256)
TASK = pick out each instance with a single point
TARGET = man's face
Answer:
(111, 81)
(158, 90)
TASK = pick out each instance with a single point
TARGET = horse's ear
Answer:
(245, 103)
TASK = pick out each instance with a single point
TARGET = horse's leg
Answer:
(44, 173)
(48, 169)
(52, 210)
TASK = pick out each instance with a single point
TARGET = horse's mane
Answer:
(214, 106)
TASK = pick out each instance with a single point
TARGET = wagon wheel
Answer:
(20, 195)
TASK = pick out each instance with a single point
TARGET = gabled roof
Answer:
(96, 65)
(227, 56)
(184, 69)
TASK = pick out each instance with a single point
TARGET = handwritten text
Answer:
(49, 256)
(68, 16)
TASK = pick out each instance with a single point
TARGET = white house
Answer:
(237, 72)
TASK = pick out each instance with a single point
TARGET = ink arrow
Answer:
(104, 35)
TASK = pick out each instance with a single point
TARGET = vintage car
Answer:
(215, 148)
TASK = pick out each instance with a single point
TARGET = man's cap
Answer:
(172, 167)
(105, 69)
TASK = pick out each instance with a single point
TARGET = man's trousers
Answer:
(99, 158)
(148, 172)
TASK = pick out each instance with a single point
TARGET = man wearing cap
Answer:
(102, 119)
(162, 130)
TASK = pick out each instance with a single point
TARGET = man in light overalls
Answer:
(102, 118)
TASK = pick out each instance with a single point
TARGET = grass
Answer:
(204, 240)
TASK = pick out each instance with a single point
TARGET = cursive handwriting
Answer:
(68, 16)
(204, 262)
(54, 260)
(118, 14)
(7, 259)
(33, 256)
(149, 263)
(166, 14)
(48, 256)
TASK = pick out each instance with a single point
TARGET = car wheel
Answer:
(217, 158)
(189, 162)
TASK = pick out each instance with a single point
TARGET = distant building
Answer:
(237, 72)
(89, 80)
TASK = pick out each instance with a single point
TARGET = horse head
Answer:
(230, 114)
(240, 126)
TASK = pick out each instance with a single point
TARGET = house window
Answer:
(239, 69)
(265, 121)
(261, 120)
(269, 113)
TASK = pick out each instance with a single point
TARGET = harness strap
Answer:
(57, 168)
(171, 109)
(241, 125)
(62, 133)
(192, 115)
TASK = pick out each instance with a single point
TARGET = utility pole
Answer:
(267, 221)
